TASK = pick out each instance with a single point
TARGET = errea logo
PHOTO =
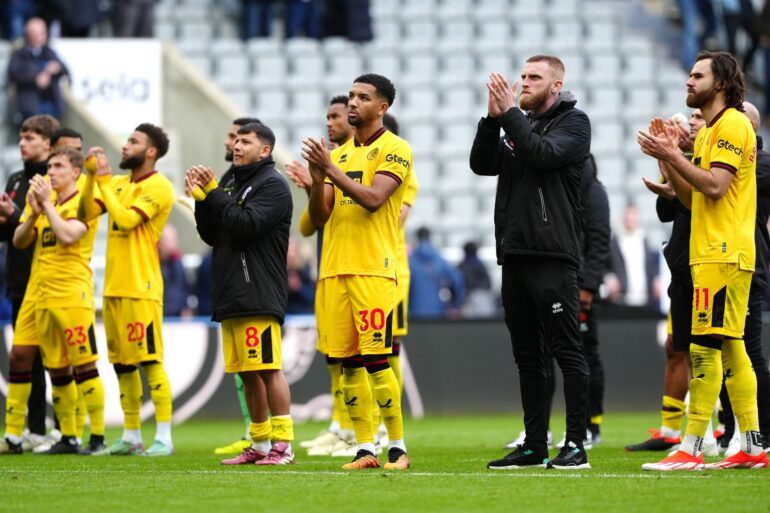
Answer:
(722, 143)
(556, 307)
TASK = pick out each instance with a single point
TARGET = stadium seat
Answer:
(566, 35)
(611, 171)
(271, 102)
(522, 11)
(419, 68)
(344, 64)
(387, 65)
(422, 9)
(602, 36)
(302, 46)
(265, 46)
(530, 36)
(454, 10)
(494, 35)
(198, 30)
(426, 170)
(639, 68)
(607, 137)
(269, 70)
(604, 70)
(232, 69)
(306, 70)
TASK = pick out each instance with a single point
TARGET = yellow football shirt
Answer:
(356, 241)
(410, 194)
(63, 276)
(723, 229)
(133, 264)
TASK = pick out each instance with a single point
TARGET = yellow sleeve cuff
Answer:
(198, 194)
(210, 186)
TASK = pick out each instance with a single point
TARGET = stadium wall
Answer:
(450, 367)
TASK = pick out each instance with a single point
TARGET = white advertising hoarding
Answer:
(119, 80)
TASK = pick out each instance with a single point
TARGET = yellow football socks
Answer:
(160, 391)
(388, 396)
(704, 387)
(130, 385)
(65, 399)
(671, 413)
(92, 395)
(19, 390)
(741, 382)
(358, 400)
(283, 428)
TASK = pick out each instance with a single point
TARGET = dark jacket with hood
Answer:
(595, 221)
(539, 163)
(247, 222)
(19, 261)
(761, 237)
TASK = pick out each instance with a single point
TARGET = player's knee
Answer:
(353, 362)
(20, 360)
(60, 377)
(85, 372)
(123, 369)
(710, 341)
(375, 362)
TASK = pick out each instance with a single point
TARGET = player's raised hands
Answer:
(299, 174)
(502, 96)
(101, 165)
(661, 189)
(37, 209)
(7, 207)
(318, 158)
(660, 142)
(41, 190)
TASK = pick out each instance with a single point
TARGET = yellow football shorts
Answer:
(66, 336)
(720, 299)
(401, 325)
(251, 344)
(25, 330)
(134, 329)
(669, 324)
(319, 322)
(358, 315)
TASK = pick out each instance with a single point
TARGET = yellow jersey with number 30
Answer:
(356, 241)
(723, 229)
(133, 264)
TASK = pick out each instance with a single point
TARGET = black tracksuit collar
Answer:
(243, 174)
(35, 168)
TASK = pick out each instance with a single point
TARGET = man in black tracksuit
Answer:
(35, 146)
(539, 163)
(247, 223)
(595, 253)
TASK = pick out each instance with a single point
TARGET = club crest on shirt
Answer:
(373, 154)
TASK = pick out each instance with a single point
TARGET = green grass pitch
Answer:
(449, 456)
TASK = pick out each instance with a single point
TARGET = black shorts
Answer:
(680, 294)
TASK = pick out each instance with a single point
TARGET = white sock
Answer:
(397, 444)
(334, 426)
(367, 447)
(163, 433)
(347, 435)
(132, 436)
(692, 445)
(263, 446)
(751, 442)
(13, 438)
(667, 432)
(709, 431)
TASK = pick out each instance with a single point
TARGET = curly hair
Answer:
(728, 77)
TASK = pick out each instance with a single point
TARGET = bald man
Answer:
(753, 330)
(35, 70)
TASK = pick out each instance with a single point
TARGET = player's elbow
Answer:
(714, 192)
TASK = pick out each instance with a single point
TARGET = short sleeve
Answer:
(731, 142)
(26, 213)
(412, 187)
(155, 197)
(396, 161)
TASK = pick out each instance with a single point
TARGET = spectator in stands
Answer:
(79, 17)
(176, 289)
(134, 18)
(348, 18)
(437, 288)
(695, 13)
(303, 18)
(633, 275)
(14, 15)
(257, 18)
(35, 71)
(740, 14)
(301, 283)
(764, 39)
(479, 300)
